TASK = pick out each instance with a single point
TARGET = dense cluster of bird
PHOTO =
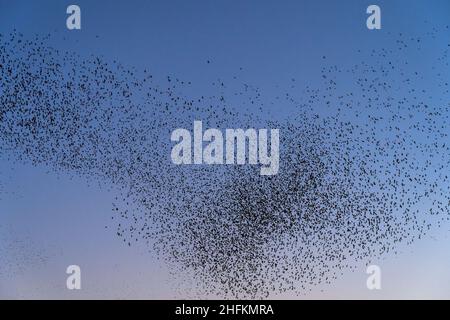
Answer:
(363, 167)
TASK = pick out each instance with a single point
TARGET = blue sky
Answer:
(61, 219)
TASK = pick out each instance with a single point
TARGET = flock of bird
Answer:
(363, 166)
(19, 255)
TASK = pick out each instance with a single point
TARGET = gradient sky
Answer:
(49, 220)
